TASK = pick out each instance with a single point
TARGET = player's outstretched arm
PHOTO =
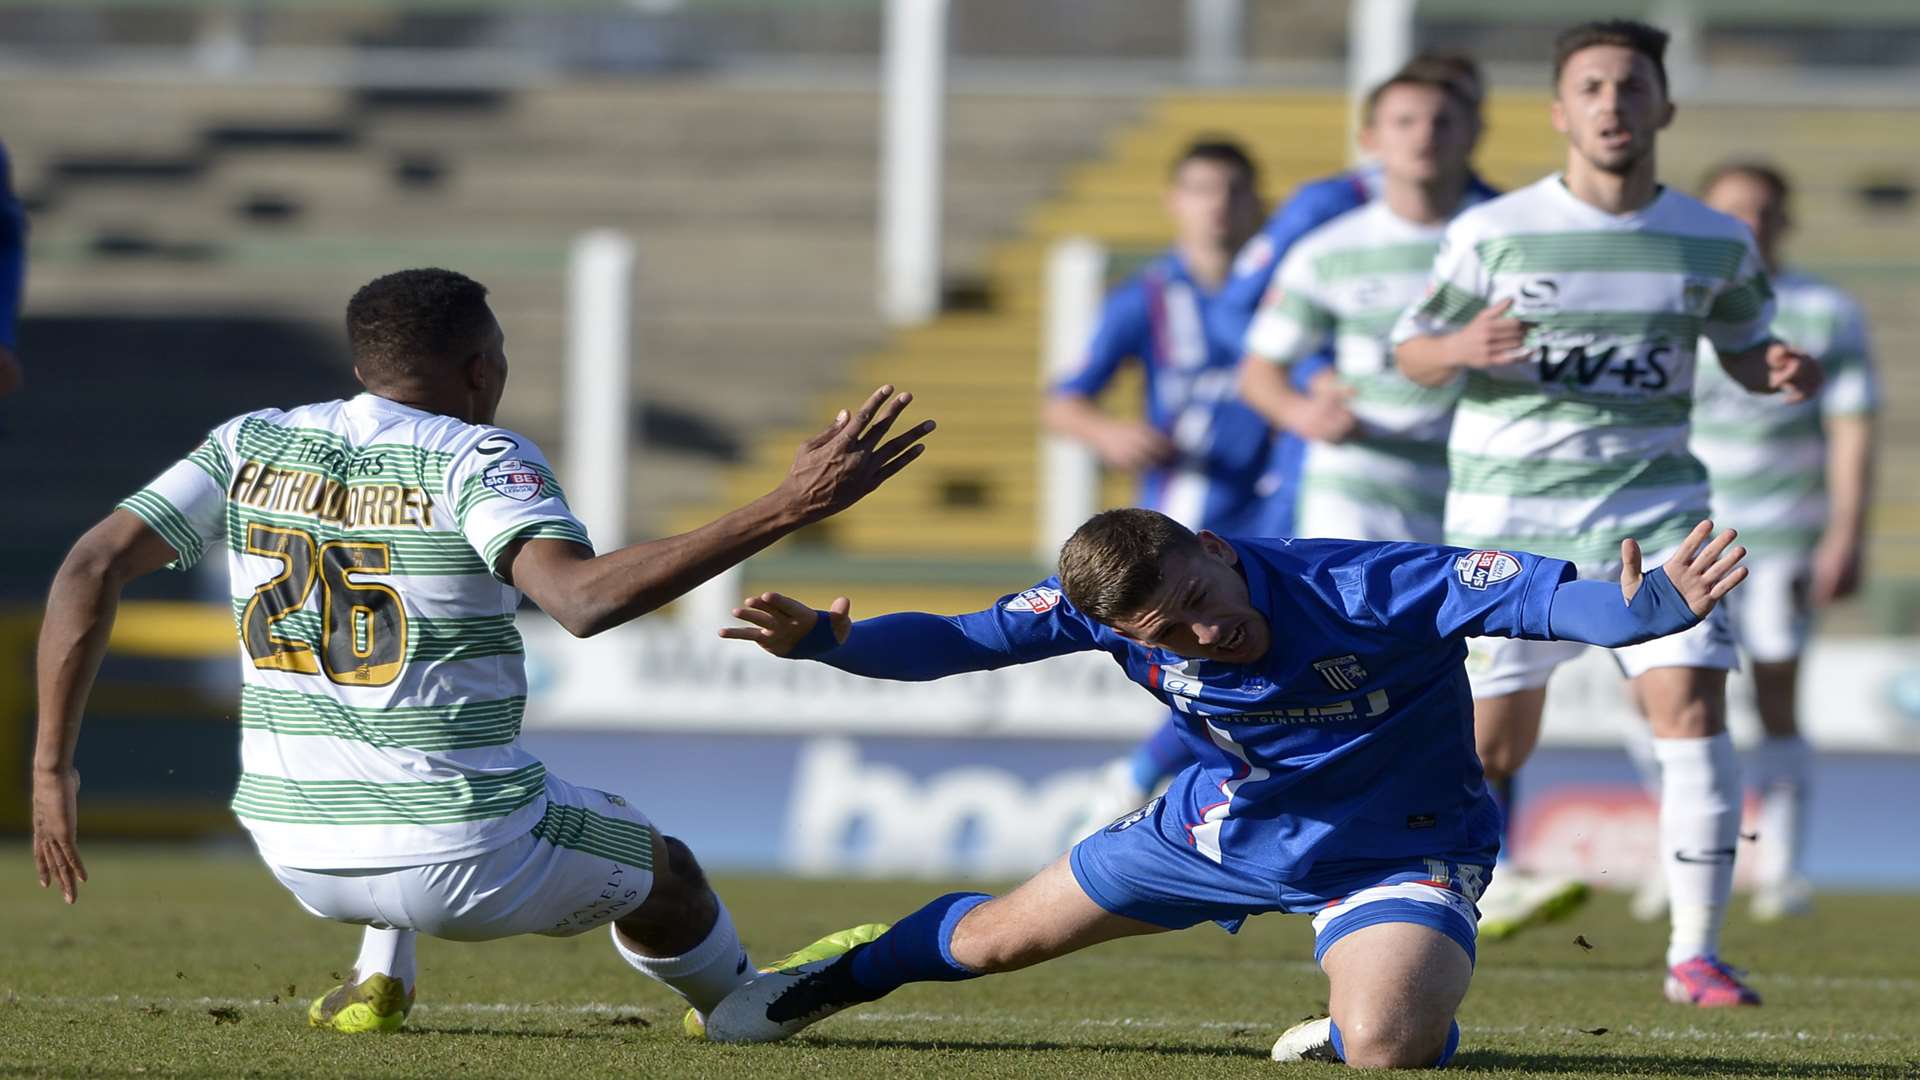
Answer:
(1649, 605)
(833, 470)
(73, 641)
(910, 646)
(1772, 367)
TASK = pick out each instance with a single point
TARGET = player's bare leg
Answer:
(681, 935)
(1506, 729)
(1699, 825)
(1781, 763)
(1393, 991)
(955, 937)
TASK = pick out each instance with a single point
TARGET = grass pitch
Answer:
(193, 962)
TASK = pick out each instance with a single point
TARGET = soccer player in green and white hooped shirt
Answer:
(1375, 465)
(1795, 477)
(379, 548)
(1575, 306)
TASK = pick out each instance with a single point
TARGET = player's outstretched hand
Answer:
(841, 465)
(1702, 574)
(56, 858)
(779, 622)
(1493, 338)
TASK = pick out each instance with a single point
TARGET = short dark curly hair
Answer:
(1648, 41)
(1110, 566)
(407, 324)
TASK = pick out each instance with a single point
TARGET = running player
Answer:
(379, 548)
(1796, 476)
(1321, 685)
(1574, 306)
(1376, 465)
(1199, 451)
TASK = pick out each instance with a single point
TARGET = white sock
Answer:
(1639, 744)
(1699, 828)
(706, 973)
(1780, 765)
(386, 952)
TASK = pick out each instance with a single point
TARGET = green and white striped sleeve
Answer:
(1852, 385)
(1457, 290)
(502, 490)
(186, 504)
(1742, 313)
(1292, 322)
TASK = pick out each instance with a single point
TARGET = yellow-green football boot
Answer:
(376, 1003)
(834, 944)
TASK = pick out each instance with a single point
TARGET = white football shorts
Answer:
(1772, 611)
(588, 862)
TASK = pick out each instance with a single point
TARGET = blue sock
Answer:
(1446, 1052)
(1162, 754)
(918, 948)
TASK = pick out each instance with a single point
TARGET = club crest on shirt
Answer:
(1696, 296)
(1342, 672)
(1479, 569)
(513, 478)
(1035, 601)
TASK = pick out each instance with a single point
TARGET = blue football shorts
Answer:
(1137, 869)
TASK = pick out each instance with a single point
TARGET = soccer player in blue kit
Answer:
(1322, 686)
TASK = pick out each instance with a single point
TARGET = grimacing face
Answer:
(1610, 105)
(1201, 610)
(1420, 133)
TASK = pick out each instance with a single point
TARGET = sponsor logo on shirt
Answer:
(1697, 296)
(1036, 601)
(1538, 296)
(1342, 672)
(1479, 569)
(513, 478)
(495, 444)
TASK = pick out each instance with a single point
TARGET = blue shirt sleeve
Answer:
(13, 251)
(914, 646)
(1122, 334)
(1455, 592)
(1596, 613)
(1311, 206)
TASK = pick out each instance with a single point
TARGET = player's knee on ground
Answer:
(1375, 1038)
(681, 906)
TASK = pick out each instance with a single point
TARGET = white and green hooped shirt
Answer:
(1584, 440)
(383, 676)
(1346, 282)
(1767, 458)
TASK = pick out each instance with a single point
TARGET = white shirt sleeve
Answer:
(187, 504)
(1457, 290)
(502, 490)
(1852, 385)
(1742, 314)
(1292, 321)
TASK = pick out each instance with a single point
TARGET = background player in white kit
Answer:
(1575, 306)
(379, 548)
(1796, 478)
(1375, 465)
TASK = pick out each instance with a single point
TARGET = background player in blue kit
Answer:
(1198, 450)
(1322, 687)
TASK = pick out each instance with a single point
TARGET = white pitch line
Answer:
(1151, 1023)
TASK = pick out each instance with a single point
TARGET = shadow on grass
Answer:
(1547, 1063)
(1001, 1046)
